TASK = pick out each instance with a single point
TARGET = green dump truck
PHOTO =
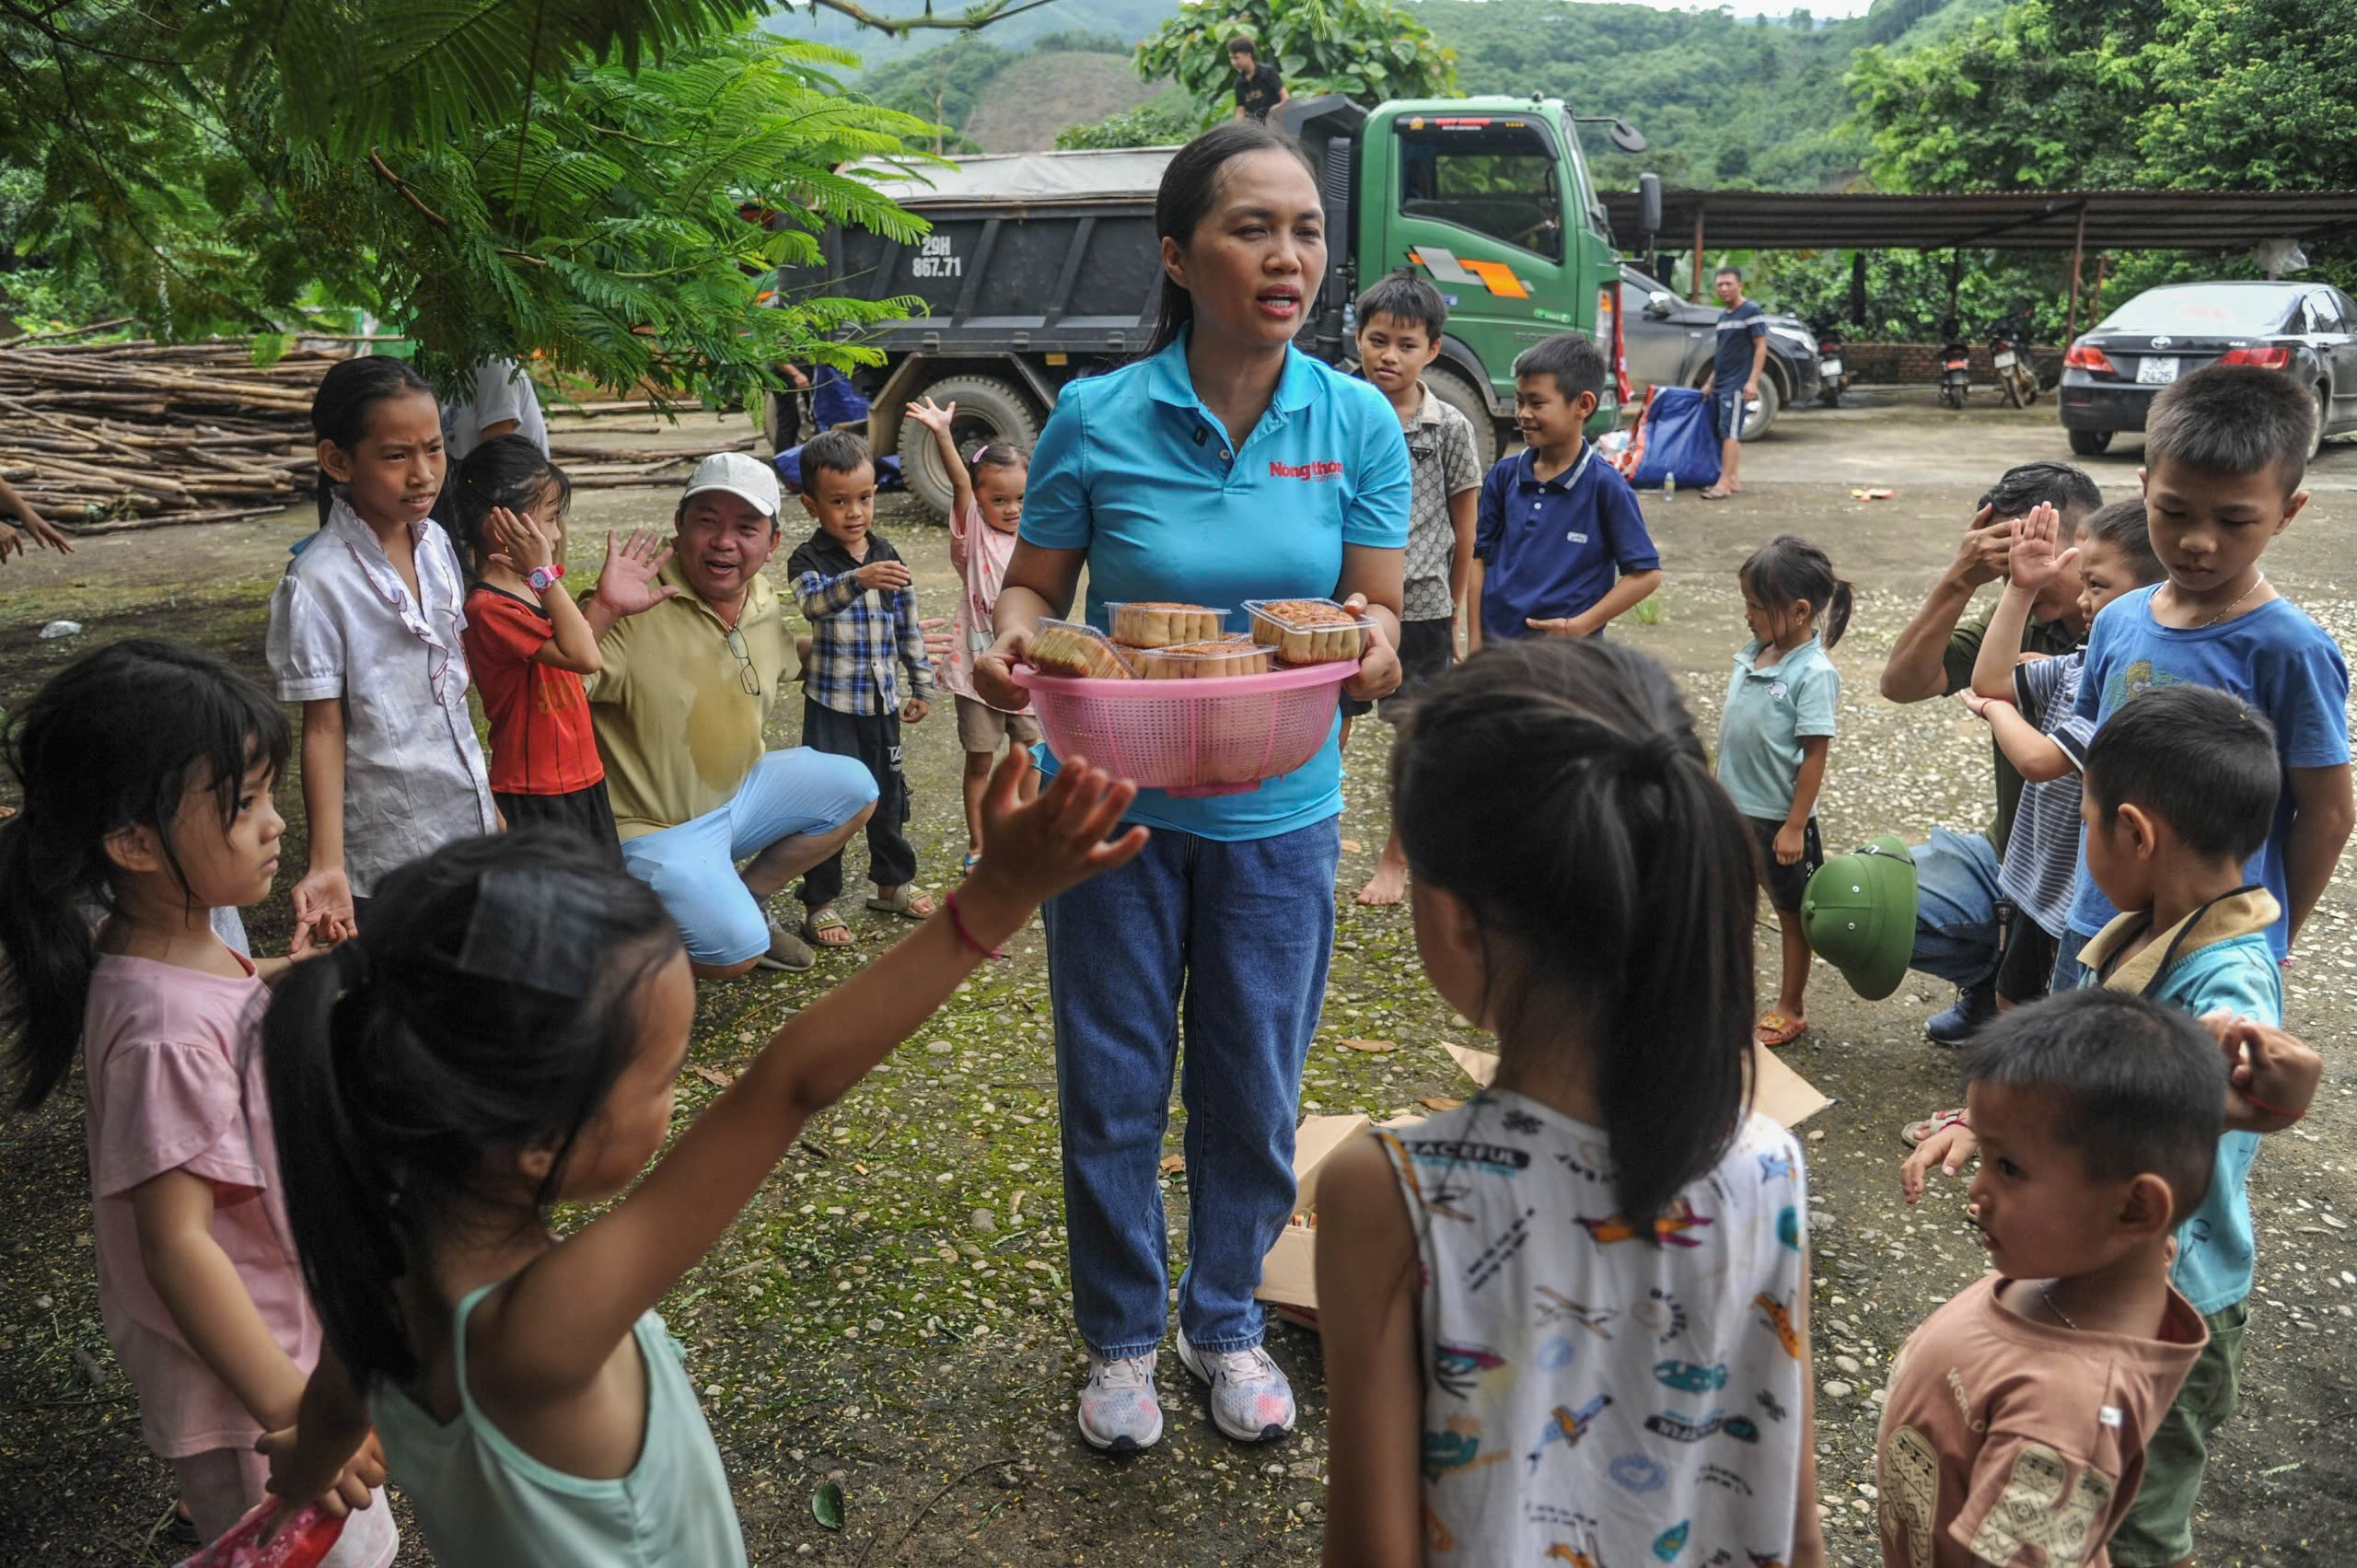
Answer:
(1042, 267)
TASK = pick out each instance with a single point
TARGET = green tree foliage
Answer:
(565, 176)
(941, 85)
(1151, 124)
(1369, 50)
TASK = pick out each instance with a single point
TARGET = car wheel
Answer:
(2090, 443)
(1771, 403)
(1461, 395)
(988, 409)
(2316, 442)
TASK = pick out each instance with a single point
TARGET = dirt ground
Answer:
(891, 1313)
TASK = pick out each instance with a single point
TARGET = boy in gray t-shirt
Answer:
(1399, 324)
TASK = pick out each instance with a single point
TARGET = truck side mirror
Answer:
(1649, 206)
(1658, 305)
(1626, 136)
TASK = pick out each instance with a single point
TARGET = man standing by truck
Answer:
(1734, 374)
(1259, 87)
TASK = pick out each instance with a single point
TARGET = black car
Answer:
(1669, 342)
(2307, 331)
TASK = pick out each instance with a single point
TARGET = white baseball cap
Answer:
(741, 474)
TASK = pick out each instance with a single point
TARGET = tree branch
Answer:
(973, 18)
(384, 173)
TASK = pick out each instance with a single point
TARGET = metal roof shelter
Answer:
(2001, 220)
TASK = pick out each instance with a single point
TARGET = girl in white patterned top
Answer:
(364, 633)
(1567, 1322)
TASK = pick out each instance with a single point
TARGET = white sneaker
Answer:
(1251, 1402)
(1120, 1410)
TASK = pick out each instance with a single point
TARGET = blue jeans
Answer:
(2069, 974)
(1232, 938)
(1956, 907)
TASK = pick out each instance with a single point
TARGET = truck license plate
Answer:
(1829, 366)
(2002, 359)
(2156, 370)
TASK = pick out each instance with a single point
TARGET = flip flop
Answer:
(1932, 1125)
(903, 904)
(1775, 1029)
(1712, 493)
(825, 930)
(971, 857)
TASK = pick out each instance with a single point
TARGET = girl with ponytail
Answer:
(505, 1033)
(365, 634)
(1569, 1315)
(146, 770)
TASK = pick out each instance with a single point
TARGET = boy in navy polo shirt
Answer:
(1560, 545)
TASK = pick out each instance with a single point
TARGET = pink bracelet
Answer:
(958, 921)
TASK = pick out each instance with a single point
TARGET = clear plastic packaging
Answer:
(1309, 631)
(1164, 626)
(1203, 661)
(1077, 652)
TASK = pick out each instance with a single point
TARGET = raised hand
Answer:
(626, 583)
(2035, 560)
(934, 416)
(523, 543)
(1040, 847)
(1981, 555)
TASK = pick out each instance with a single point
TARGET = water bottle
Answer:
(1669, 484)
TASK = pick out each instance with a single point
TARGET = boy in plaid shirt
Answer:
(863, 610)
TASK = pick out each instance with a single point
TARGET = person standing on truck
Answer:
(1734, 380)
(1259, 87)
(1226, 465)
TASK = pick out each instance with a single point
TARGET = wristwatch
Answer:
(543, 577)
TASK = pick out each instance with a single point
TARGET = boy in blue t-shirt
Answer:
(1558, 545)
(2179, 788)
(2224, 452)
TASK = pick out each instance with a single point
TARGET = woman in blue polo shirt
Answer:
(1226, 465)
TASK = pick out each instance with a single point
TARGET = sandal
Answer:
(1712, 493)
(824, 928)
(908, 901)
(1915, 1133)
(1775, 1029)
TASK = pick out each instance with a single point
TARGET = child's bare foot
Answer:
(1389, 883)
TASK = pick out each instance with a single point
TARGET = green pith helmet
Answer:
(1859, 913)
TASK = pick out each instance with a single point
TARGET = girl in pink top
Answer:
(986, 506)
(146, 770)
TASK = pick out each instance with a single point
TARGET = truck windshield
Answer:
(1494, 176)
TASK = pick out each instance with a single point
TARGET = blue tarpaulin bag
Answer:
(1680, 438)
(788, 464)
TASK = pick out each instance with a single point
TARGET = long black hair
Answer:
(1629, 906)
(395, 1064)
(116, 739)
(506, 471)
(1788, 569)
(340, 408)
(1190, 188)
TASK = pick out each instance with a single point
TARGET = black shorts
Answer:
(2025, 965)
(585, 811)
(1786, 883)
(1426, 648)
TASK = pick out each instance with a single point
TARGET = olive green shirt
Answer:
(2047, 637)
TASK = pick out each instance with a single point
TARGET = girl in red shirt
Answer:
(526, 642)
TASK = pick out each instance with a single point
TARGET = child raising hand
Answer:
(506, 1033)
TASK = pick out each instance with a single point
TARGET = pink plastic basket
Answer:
(1192, 737)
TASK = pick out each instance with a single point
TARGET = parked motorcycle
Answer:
(1955, 369)
(2009, 354)
(1834, 379)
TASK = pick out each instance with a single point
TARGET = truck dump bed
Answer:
(1048, 252)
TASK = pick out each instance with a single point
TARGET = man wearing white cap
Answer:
(694, 663)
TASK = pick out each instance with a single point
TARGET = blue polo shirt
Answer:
(1552, 548)
(1135, 471)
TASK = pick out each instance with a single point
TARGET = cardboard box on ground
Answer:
(1289, 1274)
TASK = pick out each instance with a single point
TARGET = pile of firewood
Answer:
(104, 436)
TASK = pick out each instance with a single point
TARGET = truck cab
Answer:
(1042, 267)
(1489, 200)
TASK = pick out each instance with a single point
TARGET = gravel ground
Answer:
(891, 1313)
